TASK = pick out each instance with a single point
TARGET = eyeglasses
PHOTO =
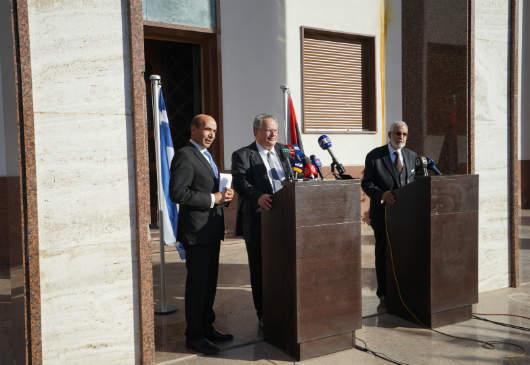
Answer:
(268, 131)
(404, 134)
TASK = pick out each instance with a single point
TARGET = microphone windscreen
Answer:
(287, 153)
(297, 166)
(324, 142)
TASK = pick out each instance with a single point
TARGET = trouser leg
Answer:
(213, 272)
(254, 263)
(196, 289)
(380, 257)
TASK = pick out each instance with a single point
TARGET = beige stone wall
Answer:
(85, 181)
(491, 139)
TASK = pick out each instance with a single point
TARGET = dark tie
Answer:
(212, 163)
(276, 182)
(399, 165)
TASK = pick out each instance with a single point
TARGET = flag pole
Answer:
(285, 90)
(162, 307)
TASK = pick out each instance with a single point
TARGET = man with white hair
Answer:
(258, 170)
(386, 168)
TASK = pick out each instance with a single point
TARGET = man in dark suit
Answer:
(257, 171)
(386, 168)
(194, 185)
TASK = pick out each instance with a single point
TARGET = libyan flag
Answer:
(295, 137)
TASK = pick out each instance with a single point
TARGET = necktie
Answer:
(399, 165)
(212, 163)
(276, 182)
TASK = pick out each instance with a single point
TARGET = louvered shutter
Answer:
(335, 90)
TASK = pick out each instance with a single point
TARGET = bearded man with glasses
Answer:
(386, 168)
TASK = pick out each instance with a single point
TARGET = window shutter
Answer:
(334, 85)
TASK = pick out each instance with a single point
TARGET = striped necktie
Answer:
(212, 163)
(276, 182)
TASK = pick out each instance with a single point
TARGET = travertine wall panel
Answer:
(85, 181)
(491, 139)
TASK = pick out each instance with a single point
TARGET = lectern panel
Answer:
(456, 193)
(328, 285)
(326, 202)
(454, 261)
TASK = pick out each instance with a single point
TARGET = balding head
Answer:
(203, 129)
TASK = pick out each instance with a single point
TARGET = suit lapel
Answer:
(285, 164)
(387, 161)
(409, 163)
(202, 160)
(257, 161)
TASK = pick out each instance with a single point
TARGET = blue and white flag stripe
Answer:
(169, 209)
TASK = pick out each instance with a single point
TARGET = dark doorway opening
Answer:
(179, 67)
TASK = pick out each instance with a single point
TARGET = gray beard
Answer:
(398, 146)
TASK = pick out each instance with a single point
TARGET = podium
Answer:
(311, 256)
(433, 230)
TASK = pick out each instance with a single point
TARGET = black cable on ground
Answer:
(486, 344)
(502, 323)
(377, 354)
(500, 314)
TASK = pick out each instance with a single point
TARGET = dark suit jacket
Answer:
(380, 176)
(191, 184)
(250, 181)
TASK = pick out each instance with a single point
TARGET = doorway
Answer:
(188, 63)
(178, 65)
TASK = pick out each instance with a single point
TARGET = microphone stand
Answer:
(340, 174)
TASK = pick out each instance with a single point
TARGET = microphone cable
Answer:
(501, 323)
(490, 345)
(375, 353)
(501, 314)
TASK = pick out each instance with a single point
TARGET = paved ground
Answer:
(385, 334)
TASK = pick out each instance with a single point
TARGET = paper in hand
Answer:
(225, 181)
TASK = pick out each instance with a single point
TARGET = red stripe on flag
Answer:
(292, 123)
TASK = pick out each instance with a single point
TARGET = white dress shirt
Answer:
(275, 160)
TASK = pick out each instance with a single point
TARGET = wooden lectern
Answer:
(433, 230)
(311, 256)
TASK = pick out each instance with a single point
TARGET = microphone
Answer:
(291, 149)
(310, 170)
(287, 155)
(317, 164)
(297, 166)
(325, 143)
(421, 166)
(432, 166)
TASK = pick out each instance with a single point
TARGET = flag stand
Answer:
(162, 307)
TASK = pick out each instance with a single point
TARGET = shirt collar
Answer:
(392, 150)
(263, 150)
(201, 149)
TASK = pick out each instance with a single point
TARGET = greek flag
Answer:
(169, 209)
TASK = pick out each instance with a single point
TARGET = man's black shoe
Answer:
(215, 336)
(203, 346)
(381, 308)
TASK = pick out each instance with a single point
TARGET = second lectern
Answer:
(433, 230)
(312, 267)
